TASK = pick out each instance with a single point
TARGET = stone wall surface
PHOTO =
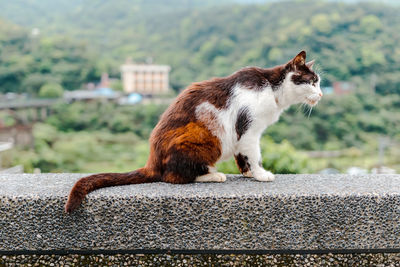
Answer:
(295, 212)
(238, 260)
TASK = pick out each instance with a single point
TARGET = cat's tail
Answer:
(90, 183)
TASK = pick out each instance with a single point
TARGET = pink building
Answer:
(342, 88)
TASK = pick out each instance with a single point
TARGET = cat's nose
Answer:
(321, 94)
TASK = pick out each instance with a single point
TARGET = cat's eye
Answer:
(314, 81)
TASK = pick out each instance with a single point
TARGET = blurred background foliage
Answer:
(73, 42)
(47, 47)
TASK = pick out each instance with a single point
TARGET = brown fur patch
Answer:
(189, 151)
(90, 183)
(191, 134)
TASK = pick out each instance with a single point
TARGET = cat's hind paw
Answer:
(216, 177)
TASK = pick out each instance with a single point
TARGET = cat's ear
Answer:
(299, 60)
(310, 64)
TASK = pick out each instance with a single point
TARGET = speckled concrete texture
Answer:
(273, 260)
(304, 212)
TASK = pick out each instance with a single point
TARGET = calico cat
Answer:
(212, 121)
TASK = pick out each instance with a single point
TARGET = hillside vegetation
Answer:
(349, 42)
(78, 40)
(28, 62)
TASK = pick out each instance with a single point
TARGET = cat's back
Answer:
(182, 111)
(217, 92)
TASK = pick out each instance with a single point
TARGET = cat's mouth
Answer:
(312, 101)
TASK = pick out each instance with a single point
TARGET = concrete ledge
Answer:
(270, 260)
(294, 213)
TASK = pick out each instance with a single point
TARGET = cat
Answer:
(213, 120)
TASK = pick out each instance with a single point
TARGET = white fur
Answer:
(290, 93)
(265, 107)
(218, 177)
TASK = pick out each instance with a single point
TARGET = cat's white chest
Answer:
(262, 106)
(263, 112)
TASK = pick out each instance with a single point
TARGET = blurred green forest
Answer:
(28, 62)
(349, 41)
(101, 136)
(70, 43)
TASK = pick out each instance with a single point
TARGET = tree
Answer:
(321, 23)
(51, 90)
(370, 24)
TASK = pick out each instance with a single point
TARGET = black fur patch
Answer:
(304, 75)
(184, 168)
(243, 121)
(242, 163)
(257, 78)
(276, 76)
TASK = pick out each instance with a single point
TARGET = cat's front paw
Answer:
(264, 176)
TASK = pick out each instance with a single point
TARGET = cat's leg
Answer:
(191, 153)
(243, 164)
(184, 169)
(212, 176)
(248, 158)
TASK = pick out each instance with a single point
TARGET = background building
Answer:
(145, 78)
(343, 87)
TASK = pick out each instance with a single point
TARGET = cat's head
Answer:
(302, 84)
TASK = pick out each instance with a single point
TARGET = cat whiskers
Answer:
(305, 108)
(309, 112)
(318, 69)
(301, 107)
